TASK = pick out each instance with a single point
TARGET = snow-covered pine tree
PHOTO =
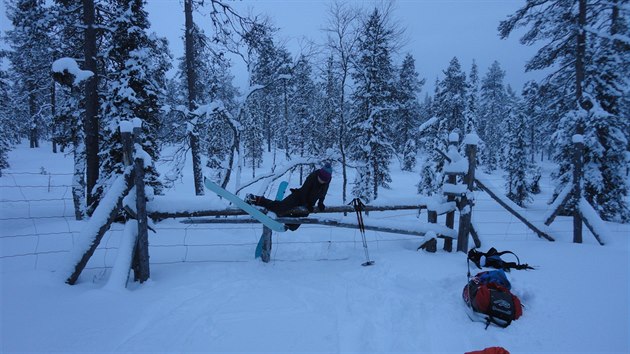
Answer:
(493, 112)
(407, 115)
(328, 135)
(213, 86)
(7, 127)
(282, 86)
(517, 164)
(449, 104)
(432, 139)
(450, 99)
(173, 125)
(137, 64)
(584, 45)
(471, 115)
(264, 113)
(30, 62)
(267, 62)
(532, 104)
(217, 137)
(70, 104)
(304, 128)
(431, 175)
(373, 106)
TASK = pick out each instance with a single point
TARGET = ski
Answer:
(239, 203)
(279, 195)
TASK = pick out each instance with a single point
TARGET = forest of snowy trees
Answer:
(356, 99)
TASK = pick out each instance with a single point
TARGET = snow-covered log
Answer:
(99, 223)
(120, 270)
(593, 221)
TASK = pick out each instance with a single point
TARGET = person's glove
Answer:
(321, 206)
(310, 208)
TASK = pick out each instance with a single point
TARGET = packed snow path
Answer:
(208, 294)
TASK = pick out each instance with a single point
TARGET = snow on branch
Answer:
(429, 123)
(67, 71)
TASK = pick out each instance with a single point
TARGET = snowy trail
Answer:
(208, 294)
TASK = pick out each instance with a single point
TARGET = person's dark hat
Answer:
(325, 173)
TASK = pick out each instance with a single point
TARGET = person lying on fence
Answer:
(312, 191)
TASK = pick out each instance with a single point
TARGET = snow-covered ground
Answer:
(207, 293)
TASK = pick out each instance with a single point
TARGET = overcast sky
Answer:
(436, 31)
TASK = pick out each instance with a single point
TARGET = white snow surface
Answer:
(207, 293)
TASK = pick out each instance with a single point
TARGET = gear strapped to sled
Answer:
(488, 297)
(492, 259)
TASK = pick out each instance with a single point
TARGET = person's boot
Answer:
(251, 199)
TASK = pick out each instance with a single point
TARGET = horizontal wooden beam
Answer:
(235, 212)
(438, 229)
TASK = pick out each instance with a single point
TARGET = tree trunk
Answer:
(191, 77)
(32, 107)
(342, 125)
(90, 124)
(53, 110)
(141, 252)
(580, 51)
(78, 182)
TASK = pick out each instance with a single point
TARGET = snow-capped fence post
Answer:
(140, 261)
(465, 216)
(578, 148)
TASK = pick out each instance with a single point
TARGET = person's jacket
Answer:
(311, 191)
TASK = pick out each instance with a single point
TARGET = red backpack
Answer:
(491, 301)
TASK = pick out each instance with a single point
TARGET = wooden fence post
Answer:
(578, 149)
(141, 251)
(465, 215)
(453, 139)
(266, 247)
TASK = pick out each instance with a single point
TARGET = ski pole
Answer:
(358, 206)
